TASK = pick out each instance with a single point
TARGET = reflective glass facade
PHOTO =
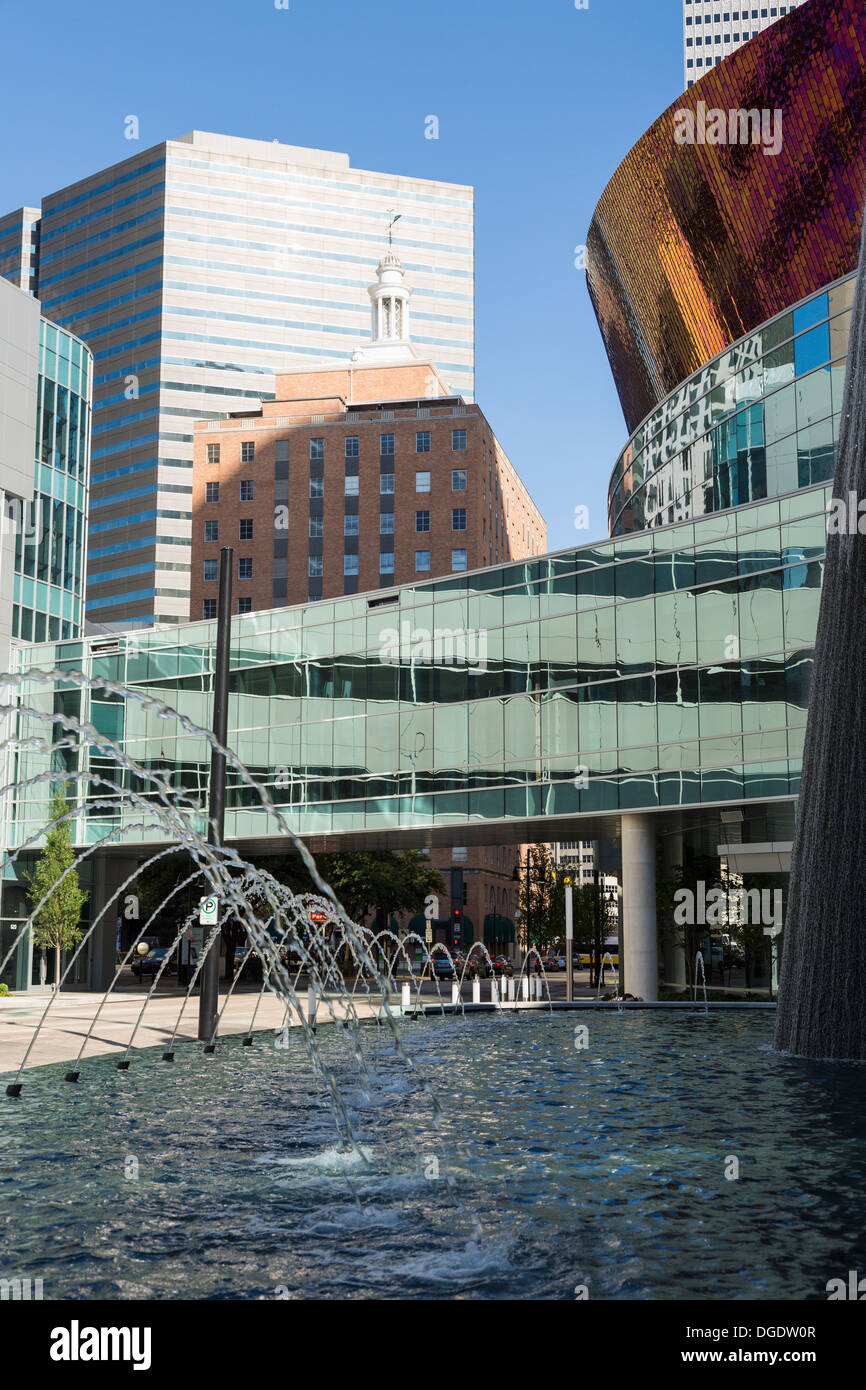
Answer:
(693, 245)
(665, 669)
(50, 545)
(760, 420)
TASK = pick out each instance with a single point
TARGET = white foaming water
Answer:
(332, 1159)
(476, 1260)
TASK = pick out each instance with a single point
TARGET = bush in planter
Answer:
(4, 991)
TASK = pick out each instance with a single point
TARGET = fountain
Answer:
(699, 961)
(822, 992)
(606, 957)
(427, 1130)
(167, 813)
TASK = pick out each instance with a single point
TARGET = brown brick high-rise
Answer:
(353, 479)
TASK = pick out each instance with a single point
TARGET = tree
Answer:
(535, 898)
(364, 881)
(56, 923)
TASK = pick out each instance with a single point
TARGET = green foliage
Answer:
(156, 882)
(364, 881)
(56, 924)
(542, 910)
(542, 905)
(4, 992)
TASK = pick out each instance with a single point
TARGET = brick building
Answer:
(358, 476)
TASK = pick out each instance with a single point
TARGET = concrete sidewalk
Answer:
(71, 1016)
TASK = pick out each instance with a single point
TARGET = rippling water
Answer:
(551, 1168)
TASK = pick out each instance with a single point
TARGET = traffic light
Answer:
(457, 926)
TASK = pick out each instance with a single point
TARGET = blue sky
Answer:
(537, 104)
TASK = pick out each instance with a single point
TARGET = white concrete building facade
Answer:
(712, 30)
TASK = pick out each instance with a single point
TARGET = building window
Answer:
(386, 562)
(211, 571)
(352, 446)
(422, 521)
(458, 519)
(245, 567)
(386, 445)
(386, 483)
(316, 564)
(458, 479)
(245, 528)
(317, 526)
(458, 441)
(386, 523)
(211, 492)
(458, 560)
(248, 451)
(317, 449)
(422, 561)
(422, 442)
(422, 482)
(208, 607)
(350, 564)
(317, 487)
(248, 489)
(350, 525)
(211, 531)
(245, 605)
(213, 453)
(351, 485)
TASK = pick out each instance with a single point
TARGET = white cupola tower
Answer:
(390, 301)
(390, 340)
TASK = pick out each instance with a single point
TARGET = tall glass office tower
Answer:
(194, 270)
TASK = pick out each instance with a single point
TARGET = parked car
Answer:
(149, 965)
(478, 967)
(443, 968)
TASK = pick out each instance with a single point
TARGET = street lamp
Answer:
(142, 950)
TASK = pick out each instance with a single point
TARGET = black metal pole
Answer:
(208, 1004)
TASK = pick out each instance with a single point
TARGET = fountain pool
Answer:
(554, 1167)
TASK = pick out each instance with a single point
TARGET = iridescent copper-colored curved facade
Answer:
(693, 245)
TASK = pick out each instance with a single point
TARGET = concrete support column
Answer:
(109, 874)
(639, 906)
(674, 950)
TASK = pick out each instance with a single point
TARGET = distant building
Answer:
(196, 268)
(45, 390)
(360, 475)
(19, 248)
(581, 859)
(712, 30)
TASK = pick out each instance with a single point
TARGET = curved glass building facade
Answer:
(50, 544)
(693, 245)
(667, 669)
(760, 420)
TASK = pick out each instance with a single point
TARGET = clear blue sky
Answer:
(537, 103)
